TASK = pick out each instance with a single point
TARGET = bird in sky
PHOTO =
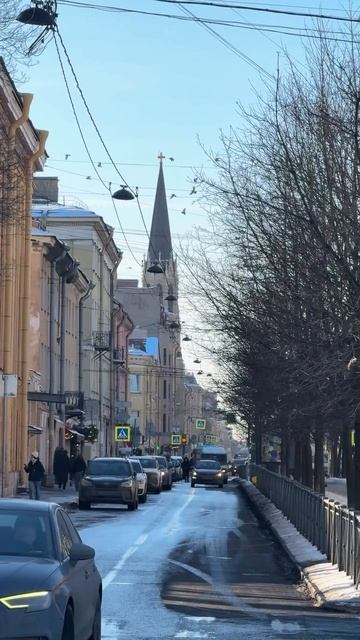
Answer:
(193, 191)
(67, 155)
(99, 164)
(172, 159)
(173, 195)
(88, 177)
(183, 211)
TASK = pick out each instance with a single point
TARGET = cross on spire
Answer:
(161, 156)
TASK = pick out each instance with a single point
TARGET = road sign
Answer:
(200, 423)
(122, 433)
(175, 440)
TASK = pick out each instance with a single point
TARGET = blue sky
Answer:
(153, 85)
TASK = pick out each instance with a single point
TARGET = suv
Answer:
(166, 472)
(109, 480)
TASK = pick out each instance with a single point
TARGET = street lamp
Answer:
(155, 267)
(123, 194)
(186, 339)
(39, 16)
(171, 298)
(197, 361)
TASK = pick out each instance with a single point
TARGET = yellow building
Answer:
(145, 393)
(21, 153)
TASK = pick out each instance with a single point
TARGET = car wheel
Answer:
(84, 505)
(96, 633)
(68, 629)
(143, 498)
(158, 490)
(221, 486)
(170, 487)
(193, 484)
(132, 506)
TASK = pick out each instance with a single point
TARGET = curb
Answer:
(313, 562)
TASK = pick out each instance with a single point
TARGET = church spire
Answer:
(160, 246)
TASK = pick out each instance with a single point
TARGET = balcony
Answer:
(101, 340)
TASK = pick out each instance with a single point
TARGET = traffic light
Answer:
(184, 439)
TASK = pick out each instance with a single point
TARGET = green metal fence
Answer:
(330, 526)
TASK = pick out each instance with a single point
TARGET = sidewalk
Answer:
(68, 499)
(328, 586)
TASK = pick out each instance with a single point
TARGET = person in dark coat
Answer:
(61, 467)
(186, 468)
(78, 466)
(36, 472)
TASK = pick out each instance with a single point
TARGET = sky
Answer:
(153, 85)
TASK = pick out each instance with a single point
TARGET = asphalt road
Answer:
(196, 564)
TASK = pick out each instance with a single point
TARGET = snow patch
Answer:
(285, 627)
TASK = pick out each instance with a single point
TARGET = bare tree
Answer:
(15, 38)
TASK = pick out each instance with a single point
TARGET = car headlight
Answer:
(86, 482)
(220, 473)
(194, 474)
(163, 473)
(126, 483)
(34, 601)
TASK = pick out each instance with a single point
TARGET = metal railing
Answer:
(330, 526)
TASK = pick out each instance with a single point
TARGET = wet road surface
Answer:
(196, 563)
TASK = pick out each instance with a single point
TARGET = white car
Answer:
(141, 479)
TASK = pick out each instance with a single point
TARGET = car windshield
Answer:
(136, 466)
(26, 533)
(162, 463)
(149, 463)
(207, 464)
(108, 468)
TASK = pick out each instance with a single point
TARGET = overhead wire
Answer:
(125, 183)
(86, 145)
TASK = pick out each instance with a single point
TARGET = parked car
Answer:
(109, 480)
(152, 470)
(177, 468)
(166, 472)
(207, 472)
(141, 478)
(49, 584)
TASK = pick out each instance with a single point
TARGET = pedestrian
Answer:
(61, 467)
(36, 472)
(78, 466)
(186, 468)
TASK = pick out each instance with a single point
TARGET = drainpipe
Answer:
(52, 344)
(91, 286)
(112, 342)
(8, 295)
(65, 277)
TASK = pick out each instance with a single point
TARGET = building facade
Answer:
(21, 154)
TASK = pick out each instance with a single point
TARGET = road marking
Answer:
(175, 520)
(111, 575)
(191, 634)
(141, 539)
(200, 618)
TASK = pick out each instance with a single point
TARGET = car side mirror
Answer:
(80, 551)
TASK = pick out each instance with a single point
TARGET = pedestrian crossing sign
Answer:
(200, 423)
(175, 439)
(122, 433)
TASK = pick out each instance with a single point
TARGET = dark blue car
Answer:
(50, 587)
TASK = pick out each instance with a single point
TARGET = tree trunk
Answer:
(284, 450)
(298, 461)
(348, 466)
(307, 471)
(319, 472)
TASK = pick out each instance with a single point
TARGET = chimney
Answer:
(46, 190)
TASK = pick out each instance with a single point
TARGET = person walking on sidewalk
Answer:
(78, 466)
(36, 472)
(61, 468)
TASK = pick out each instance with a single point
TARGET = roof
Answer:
(24, 505)
(62, 212)
(160, 246)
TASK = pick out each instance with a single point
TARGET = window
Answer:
(164, 355)
(164, 422)
(70, 527)
(108, 468)
(164, 390)
(135, 383)
(65, 537)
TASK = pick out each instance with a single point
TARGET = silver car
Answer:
(49, 584)
(109, 480)
(152, 470)
(141, 478)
